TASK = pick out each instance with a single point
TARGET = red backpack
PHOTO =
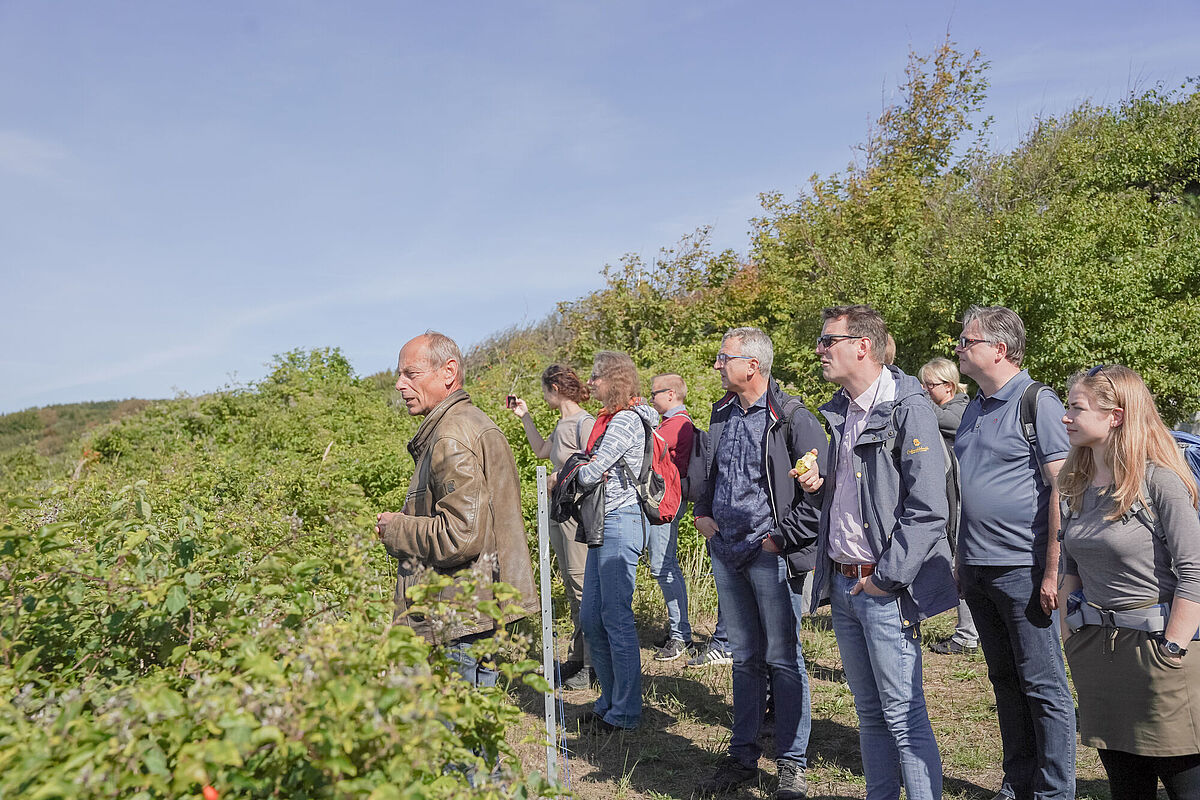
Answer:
(657, 486)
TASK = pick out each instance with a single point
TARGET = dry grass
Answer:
(687, 714)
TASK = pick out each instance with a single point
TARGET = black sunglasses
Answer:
(828, 340)
(1099, 369)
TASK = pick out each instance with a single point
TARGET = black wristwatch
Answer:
(1170, 648)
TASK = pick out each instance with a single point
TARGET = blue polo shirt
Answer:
(1004, 498)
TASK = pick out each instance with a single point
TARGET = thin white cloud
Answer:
(25, 155)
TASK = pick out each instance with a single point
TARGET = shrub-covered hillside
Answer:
(204, 603)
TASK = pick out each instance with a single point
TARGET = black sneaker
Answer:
(591, 722)
(792, 784)
(711, 657)
(953, 647)
(671, 650)
(569, 669)
(729, 774)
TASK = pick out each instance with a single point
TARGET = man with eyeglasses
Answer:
(883, 561)
(757, 525)
(1007, 557)
(667, 394)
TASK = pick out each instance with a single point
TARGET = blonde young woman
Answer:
(1131, 586)
(940, 380)
(563, 391)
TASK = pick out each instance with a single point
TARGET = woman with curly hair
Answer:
(617, 447)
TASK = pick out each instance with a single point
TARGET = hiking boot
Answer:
(792, 785)
(729, 774)
(580, 680)
(712, 657)
(953, 647)
(671, 650)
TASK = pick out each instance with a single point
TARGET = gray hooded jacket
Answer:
(902, 496)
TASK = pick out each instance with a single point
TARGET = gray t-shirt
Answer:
(570, 436)
(1005, 501)
(1122, 563)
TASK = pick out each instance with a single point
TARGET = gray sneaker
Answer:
(580, 680)
(712, 657)
(671, 650)
(729, 774)
(792, 784)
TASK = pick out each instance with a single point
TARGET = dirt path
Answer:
(685, 730)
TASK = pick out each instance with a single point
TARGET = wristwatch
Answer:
(1170, 648)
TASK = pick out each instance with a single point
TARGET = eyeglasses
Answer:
(594, 377)
(828, 340)
(964, 342)
(930, 386)
(657, 392)
(723, 357)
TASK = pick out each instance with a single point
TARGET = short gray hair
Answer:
(442, 350)
(755, 344)
(999, 324)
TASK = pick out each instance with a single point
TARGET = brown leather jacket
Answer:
(462, 512)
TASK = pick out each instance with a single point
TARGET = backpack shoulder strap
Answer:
(1028, 412)
(1145, 512)
(791, 406)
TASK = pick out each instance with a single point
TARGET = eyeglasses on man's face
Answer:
(723, 357)
(965, 341)
(828, 340)
(657, 392)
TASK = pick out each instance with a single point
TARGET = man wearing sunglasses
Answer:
(883, 561)
(757, 526)
(1007, 555)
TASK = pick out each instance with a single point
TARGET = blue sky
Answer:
(187, 189)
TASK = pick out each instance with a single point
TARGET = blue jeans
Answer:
(606, 614)
(1025, 664)
(474, 672)
(762, 613)
(662, 547)
(882, 661)
(480, 674)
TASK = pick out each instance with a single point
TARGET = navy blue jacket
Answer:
(795, 520)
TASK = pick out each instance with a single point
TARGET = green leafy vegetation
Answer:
(191, 594)
(204, 603)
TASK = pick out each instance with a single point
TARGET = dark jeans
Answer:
(1134, 777)
(1026, 668)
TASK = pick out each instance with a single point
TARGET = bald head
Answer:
(428, 371)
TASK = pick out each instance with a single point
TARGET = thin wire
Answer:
(562, 726)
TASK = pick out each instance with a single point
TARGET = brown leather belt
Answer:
(855, 570)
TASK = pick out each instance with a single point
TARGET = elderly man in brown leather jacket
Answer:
(462, 516)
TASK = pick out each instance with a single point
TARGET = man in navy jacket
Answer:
(755, 521)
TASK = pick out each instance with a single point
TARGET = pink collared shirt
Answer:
(848, 542)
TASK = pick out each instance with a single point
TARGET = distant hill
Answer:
(53, 430)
